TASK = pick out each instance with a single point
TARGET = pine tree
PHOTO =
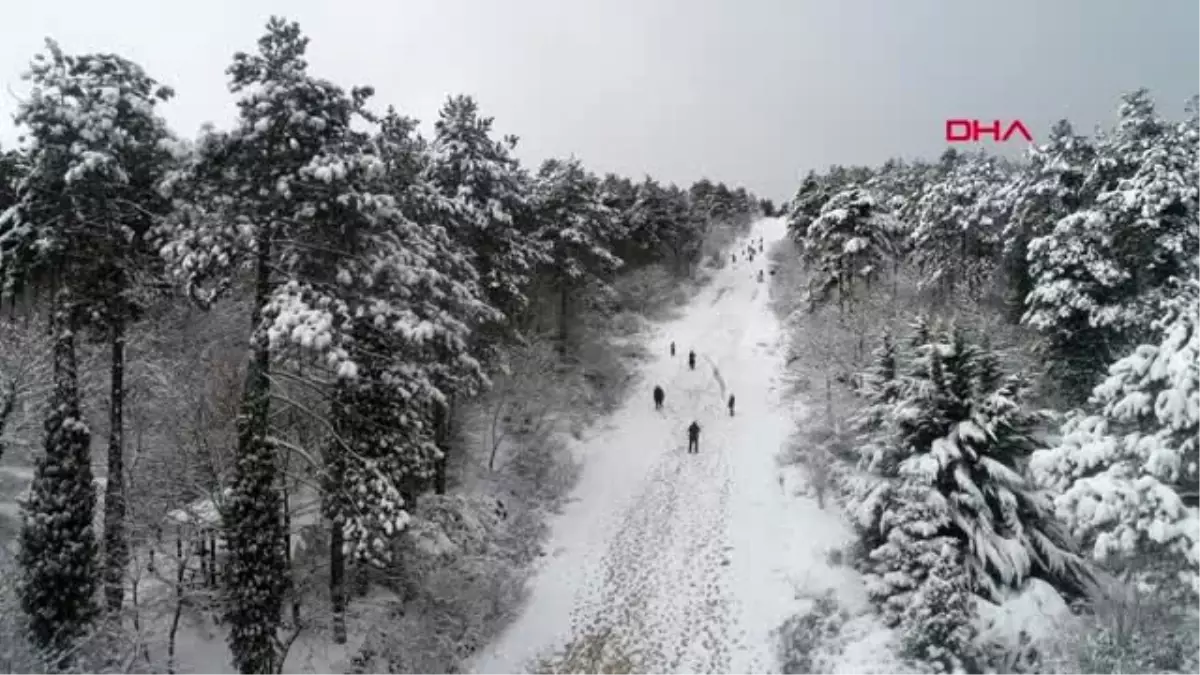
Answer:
(843, 246)
(956, 233)
(254, 186)
(1101, 272)
(1050, 189)
(58, 553)
(575, 229)
(805, 206)
(884, 385)
(97, 150)
(959, 457)
(495, 220)
(1126, 468)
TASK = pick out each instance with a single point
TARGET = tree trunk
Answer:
(441, 424)
(7, 406)
(116, 547)
(564, 308)
(180, 568)
(59, 596)
(335, 484)
(287, 537)
(257, 576)
(337, 581)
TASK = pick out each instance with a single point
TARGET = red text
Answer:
(969, 131)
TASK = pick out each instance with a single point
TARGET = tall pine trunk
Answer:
(58, 545)
(337, 581)
(442, 414)
(335, 477)
(116, 546)
(564, 311)
(257, 575)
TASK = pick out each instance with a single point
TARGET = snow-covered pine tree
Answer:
(619, 196)
(1050, 188)
(644, 215)
(1100, 274)
(806, 206)
(1075, 302)
(960, 463)
(883, 386)
(252, 216)
(495, 222)
(956, 233)
(58, 552)
(1126, 469)
(11, 170)
(96, 152)
(575, 229)
(387, 304)
(917, 576)
(843, 246)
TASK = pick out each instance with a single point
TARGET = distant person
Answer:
(672, 349)
(659, 395)
(692, 359)
(731, 405)
(694, 439)
(734, 257)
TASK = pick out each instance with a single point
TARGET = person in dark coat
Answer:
(694, 439)
(692, 359)
(672, 349)
(731, 405)
(659, 395)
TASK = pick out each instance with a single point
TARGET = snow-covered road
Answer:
(691, 559)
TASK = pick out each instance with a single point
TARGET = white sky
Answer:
(751, 92)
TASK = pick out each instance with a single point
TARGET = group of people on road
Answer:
(694, 428)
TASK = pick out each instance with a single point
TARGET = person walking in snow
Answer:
(731, 405)
(672, 349)
(694, 439)
(659, 395)
(692, 359)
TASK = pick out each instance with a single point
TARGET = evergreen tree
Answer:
(258, 182)
(956, 233)
(1126, 468)
(806, 206)
(575, 229)
(495, 220)
(957, 482)
(843, 246)
(392, 319)
(1049, 190)
(58, 552)
(77, 226)
(1102, 271)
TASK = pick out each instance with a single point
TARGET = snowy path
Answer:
(692, 559)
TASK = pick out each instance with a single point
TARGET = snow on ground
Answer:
(693, 559)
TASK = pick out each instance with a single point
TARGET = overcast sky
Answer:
(751, 92)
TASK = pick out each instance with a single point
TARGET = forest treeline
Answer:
(1011, 386)
(382, 275)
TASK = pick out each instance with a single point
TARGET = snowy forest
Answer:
(302, 394)
(1001, 361)
(290, 342)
